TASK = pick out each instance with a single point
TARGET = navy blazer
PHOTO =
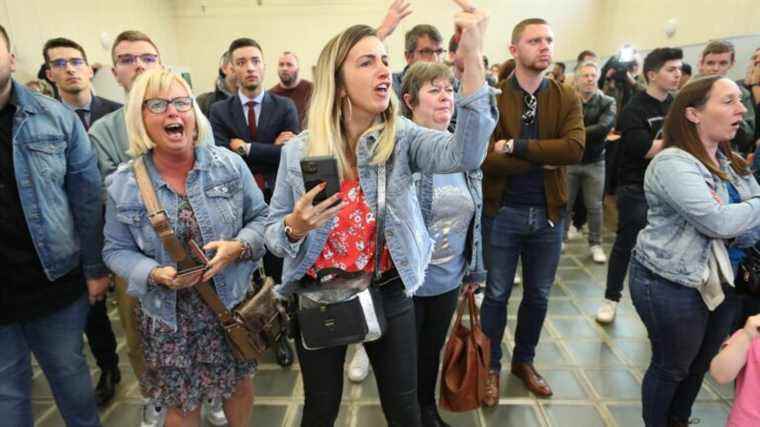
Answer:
(99, 107)
(278, 114)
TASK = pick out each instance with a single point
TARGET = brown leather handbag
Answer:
(466, 360)
(255, 323)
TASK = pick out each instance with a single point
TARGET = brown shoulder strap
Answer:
(163, 227)
(156, 213)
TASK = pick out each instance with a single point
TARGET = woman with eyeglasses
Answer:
(211, 200)
(353, 118)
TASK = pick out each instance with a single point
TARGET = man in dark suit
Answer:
(255, 124)
(69, 71)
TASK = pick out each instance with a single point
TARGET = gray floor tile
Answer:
(564, 384)
(575, 328)
(268, 415)
(460, 419)
(636, 352)
(274, 382)
(511, 415)
(626, 415)
(617, 384)
(593, 354)
(563, 308)
(626, 327)
(577, 415)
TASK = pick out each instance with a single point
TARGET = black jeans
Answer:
(632, 218)
(433, 317)
(100, 336)
(394, 361)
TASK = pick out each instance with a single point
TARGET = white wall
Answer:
(32, 22)
(190, 36)
(304, 26)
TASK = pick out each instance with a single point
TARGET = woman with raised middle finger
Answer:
(353, 118)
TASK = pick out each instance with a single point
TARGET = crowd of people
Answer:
(487, 169)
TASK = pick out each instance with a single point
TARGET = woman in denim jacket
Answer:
(451, 206)
(703, 209)
(352, 117)
(210, 198)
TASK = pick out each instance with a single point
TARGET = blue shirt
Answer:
(453, 209)
(527, 189)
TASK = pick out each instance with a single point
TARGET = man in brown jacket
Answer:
(539, 131)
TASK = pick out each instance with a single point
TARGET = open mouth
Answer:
(174, 130)
(382, 89)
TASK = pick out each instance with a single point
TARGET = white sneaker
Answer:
(573, 233)
(606, 313)
(358, 369)
(152, 415)
(215, 412)
(597, 254)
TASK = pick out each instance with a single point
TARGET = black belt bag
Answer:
(347, 307)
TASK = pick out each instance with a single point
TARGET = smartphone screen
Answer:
(317, 170)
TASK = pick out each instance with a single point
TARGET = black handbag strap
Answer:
(380, 219)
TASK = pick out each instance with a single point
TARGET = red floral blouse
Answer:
(351, 243)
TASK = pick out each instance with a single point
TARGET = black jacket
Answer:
(99, 107)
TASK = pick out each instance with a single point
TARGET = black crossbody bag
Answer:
(347, 307)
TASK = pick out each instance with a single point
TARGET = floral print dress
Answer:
(193, 363)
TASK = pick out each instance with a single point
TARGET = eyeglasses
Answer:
(431, 52)
(60, 64)
(159, 105)
(529, 114)
(145, 58)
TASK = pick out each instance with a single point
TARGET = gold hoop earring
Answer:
(350, 108)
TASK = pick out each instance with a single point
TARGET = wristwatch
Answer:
(247, 252)
(289, 232)
(509, 146)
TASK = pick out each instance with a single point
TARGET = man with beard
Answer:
(255, 124)
(292, 85)
(69, 70)
(540, 130)
(50, 236)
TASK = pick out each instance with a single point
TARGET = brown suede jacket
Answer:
(562, 137)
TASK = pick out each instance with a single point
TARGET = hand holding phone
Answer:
(317, 170)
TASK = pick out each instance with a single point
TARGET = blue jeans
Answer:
(685, 336)
(56, 341)
(519, 233)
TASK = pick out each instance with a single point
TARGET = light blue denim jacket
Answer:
(227, 205)
(417, 149)
(475, 269)
(683, 215)
(58, 184)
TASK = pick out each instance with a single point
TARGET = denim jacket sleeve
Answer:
(433, 151)
(123, 256)
(83, 187)
(280, 205)
(255, 211)
(682, 185)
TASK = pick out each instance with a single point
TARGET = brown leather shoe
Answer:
(532, 379)
(492, 389)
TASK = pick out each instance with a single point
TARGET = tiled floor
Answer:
(595, 371)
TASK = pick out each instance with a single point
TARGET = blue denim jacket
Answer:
(475, 272)
(417, 150)
(58, 184)
(227, 205)
(683, 215)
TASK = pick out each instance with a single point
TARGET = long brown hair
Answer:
(681, 132)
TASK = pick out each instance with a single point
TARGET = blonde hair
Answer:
(148, 85)
(326, 111)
